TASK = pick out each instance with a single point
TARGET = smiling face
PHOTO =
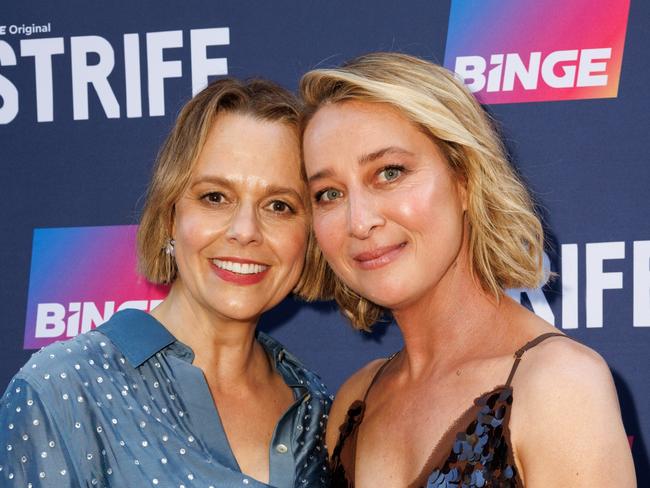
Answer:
(240, 228)
(387, 208)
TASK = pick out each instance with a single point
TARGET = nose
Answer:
(364, 214)
(244, 226)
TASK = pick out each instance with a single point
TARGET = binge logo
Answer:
(79, 277)
(537, 50)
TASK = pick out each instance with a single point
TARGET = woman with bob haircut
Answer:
(191, 394)
(418, 213)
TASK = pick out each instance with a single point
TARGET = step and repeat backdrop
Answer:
(89, 90)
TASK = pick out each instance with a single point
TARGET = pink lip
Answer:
(381, 256)
(236, 278)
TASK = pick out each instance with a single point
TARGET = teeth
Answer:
(239, 268)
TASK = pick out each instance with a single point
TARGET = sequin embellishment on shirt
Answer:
(123, 406)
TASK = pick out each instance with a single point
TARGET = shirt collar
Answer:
(291, 369)
(137, 335)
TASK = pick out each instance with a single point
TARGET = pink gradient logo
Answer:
(510, 51)
(79, 277)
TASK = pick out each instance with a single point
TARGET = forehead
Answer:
(243, 146)
(354, 129)
(366, 116)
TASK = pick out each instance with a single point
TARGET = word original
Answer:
(25, 30)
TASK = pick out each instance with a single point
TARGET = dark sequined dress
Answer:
(475, 452)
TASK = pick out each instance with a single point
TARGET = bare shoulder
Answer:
(353, 389)
(566, 415)
(560, 365)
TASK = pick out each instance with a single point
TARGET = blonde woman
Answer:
(418, 213)
(190, 395)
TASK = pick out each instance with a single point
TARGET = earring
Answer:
(169, 247)
(169, 263)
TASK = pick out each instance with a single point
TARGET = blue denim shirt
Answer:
(123, 406)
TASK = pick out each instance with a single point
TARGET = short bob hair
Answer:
(176, 160)
(505, 238)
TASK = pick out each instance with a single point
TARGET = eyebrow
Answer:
(218, 180)
(373, 156)
(283, 190)
(363, 160)
(268, 189)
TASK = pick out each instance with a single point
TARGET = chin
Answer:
(387, 297)
(397, 294)
(243, 312)
(243, 316)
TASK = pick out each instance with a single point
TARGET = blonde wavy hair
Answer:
(176, 160)
(505, 235)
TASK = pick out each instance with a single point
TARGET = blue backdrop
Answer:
(90, 89)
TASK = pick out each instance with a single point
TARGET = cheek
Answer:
(329, 230)
(434, 206)
(289, 242)
(413, 209)
(192, 230)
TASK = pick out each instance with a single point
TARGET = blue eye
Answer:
(328, 195)
(390, 173)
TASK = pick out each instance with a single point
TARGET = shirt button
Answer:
(281, 448)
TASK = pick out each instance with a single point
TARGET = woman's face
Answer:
(241, 226)
(387, 209)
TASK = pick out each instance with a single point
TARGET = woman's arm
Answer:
(566, 422)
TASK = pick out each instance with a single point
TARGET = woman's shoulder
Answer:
(57, 367)
(353, 389)
(103, 348)
(551, 359)
(561, 381)
(566, 414)
(558, 361)
(48, 391)
(356, 386)
(554, 364)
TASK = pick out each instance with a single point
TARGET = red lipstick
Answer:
(239, 271)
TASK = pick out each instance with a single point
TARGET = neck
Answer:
(455, 321)
(224, 348)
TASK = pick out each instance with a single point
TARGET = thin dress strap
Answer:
(378, 374)
(529, 345)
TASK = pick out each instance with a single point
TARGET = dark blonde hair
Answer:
(258, 98)
(505, 238)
